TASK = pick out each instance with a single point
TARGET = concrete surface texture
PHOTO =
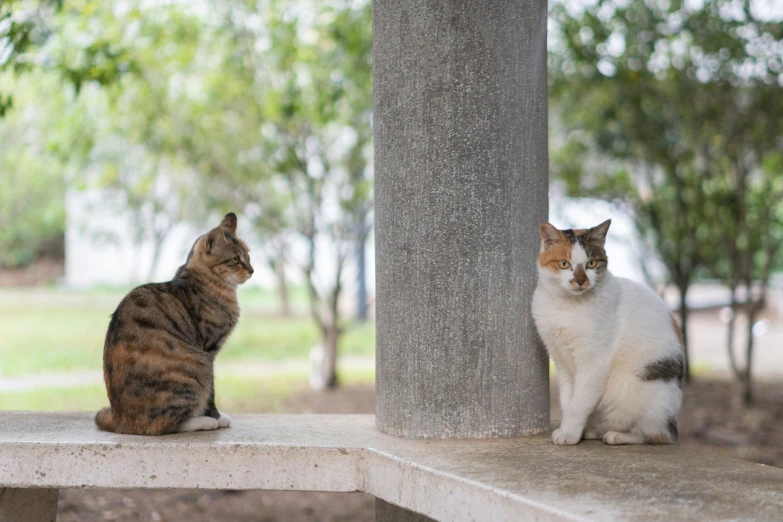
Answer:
(461, 184)
(448, 480)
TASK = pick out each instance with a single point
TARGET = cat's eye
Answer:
(235, 260)
(563, 264)
(592, 263)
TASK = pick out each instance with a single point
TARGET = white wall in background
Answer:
(100, 249)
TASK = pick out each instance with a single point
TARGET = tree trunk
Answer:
(323, 360)
(730, 334)
(753, 308)
(330, 366)
(282, 285)
(157, 248)
(684, 327)
(747, 392)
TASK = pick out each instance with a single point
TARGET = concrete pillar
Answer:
(461, 185)
(385, 512)
(28, 505)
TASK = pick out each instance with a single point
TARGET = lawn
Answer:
(60, 333)
(52, 332)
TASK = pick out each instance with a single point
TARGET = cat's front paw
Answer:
(562, 437)
(224, 421)
(202, 423)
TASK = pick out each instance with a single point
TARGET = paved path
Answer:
(82, 378)
(708, 346)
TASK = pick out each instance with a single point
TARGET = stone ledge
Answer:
(450, 480)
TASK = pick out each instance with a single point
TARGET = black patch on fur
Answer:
(666, 369)
(594, 249)
(115, 325)
(212, 410)
(176, 412)
(143, 322)
(673, 431)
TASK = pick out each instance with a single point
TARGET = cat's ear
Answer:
(598, 233)
(229, 223)
(549, 235)
(207, 243)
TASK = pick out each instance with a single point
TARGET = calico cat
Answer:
(163, 338)
(616, 348)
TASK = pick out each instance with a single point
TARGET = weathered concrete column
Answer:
(460, 187)
(28, 505)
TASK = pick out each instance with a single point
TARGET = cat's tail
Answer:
(104, 419)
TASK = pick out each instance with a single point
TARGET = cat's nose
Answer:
(250, 270)
(581, 282)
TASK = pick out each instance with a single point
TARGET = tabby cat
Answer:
(163, 338)
(616, 347)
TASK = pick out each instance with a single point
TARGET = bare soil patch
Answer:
(42, 272)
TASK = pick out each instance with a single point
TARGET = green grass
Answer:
(64, 331)
(91, 397)
(234, 393)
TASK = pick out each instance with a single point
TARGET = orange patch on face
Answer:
(549, 257)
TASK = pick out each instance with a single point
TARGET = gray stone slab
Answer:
(449, 480)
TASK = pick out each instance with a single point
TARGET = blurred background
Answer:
(127, 128)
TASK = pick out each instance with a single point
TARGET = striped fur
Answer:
(163, 338)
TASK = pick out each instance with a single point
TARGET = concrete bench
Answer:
(449, 480)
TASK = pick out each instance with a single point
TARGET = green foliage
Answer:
(138, 82)
(33, 36)
(32, 181)
(668, 107)
(675, 109)
(32, 207)
(22, 29)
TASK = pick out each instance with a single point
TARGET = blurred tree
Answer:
(23, 27)
(32, 184)
(130, 133)
(753, 215)
(31, 37)
(324, 120)
(314, 116)
(228, 143)
(260, 106)
(652, 93)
